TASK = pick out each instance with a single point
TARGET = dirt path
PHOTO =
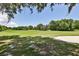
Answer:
(72, 39)
(4, 42)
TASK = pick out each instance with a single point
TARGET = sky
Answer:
(25, 18)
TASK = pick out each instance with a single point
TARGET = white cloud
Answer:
(11, 24)
(4, 20)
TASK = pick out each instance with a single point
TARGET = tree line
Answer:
(57, 25)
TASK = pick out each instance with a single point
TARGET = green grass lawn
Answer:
(39, 33)
(36, 46)
(36, 43)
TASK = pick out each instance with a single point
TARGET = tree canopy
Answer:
(13, 8)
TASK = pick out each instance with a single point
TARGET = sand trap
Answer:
(72, 39)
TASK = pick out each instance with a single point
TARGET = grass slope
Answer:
(39, 33)
(22, 43)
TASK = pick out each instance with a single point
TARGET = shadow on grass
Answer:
(37, 46)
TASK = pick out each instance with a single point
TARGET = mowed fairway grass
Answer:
(37, 43)
(32, 33)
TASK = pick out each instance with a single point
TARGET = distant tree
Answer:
(30, 27)
(2, 28)
(45, 27)
(52, 25)
(66, 24)
(40, 27)
(34, 28)
(19, 28)
(25, 27)
(62, 25)
(76, 24)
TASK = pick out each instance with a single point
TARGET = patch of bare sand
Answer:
(72, 39)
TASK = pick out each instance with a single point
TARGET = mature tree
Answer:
(62, 25)
(66, 24)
